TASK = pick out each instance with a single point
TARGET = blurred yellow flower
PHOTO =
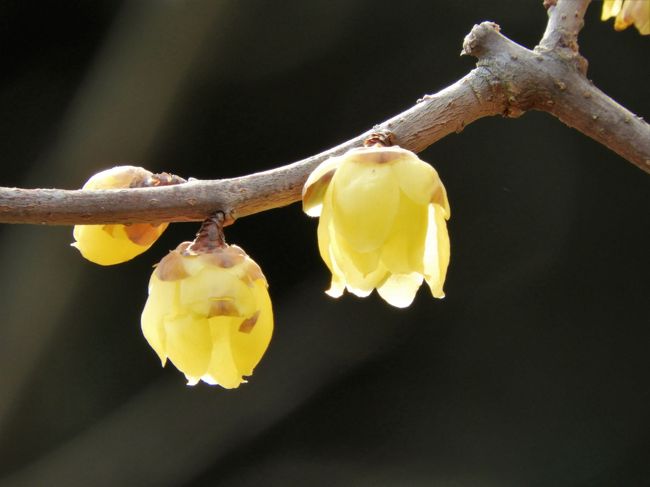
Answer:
(628, 12)
(209, 313)
(382, 223)
(113, 244)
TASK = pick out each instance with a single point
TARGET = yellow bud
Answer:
(628, 12)
(382, 224)
(114, 244)
(209, 313)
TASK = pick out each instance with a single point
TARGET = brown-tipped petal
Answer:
(316, 185)
(171, 267)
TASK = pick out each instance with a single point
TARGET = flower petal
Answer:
(611, 8)
(365, 199)
(222, 368)
(399, 289)
(189, 344)
(105, 244)
(416, 178)
(437, 251)
(317, 183)
(404, 249)
(248, 348)
(211, 284)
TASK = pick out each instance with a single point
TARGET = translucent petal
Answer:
(404, 249)
(198, 292)
(365, 197)
(417, 179)
(162, 302)
(637, 13)
(222, 368)
(357, 281)
(611, 8)
(399, 289)
(324, 247)
(235, 353)
(189, 344)
(337, 286)
(248, 348)
(437, 251)
(316, 185)
(324, 224)
(361, 263)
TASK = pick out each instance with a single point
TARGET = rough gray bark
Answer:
(508, 80)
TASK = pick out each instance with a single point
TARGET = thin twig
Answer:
(509, 80)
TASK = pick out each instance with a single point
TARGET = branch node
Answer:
(380, 137)
(474, 43)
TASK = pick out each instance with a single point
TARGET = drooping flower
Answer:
(114, 244)
(382, 223)
(209, 313)
(628, 12)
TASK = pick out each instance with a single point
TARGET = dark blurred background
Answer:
(534, 371)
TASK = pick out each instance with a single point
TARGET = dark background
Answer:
(534, 371)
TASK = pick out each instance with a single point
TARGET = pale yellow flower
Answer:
(113, 244)
(382, 223)
(628, 12)
(210, 314)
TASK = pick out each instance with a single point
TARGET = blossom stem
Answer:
(210, 236)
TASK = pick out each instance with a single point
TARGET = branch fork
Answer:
(508, 80)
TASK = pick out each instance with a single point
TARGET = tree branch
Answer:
(508, 80)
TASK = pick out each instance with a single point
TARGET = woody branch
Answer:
(509, 80)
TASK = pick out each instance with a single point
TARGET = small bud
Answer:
(114, 244)
(210, 313)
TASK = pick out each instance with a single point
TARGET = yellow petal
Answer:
(324, 244)
(399, 289)
(417, 179)
(106, 244)
(365, 199)
(162, 302)
(350, 264)
(323, 232)
(222, 368)
(118, 177)
(317, 183)
(437, 251)
(637, 13)
(189, 343)
(611, 8)
(200, 291)
(403, 252)
(249, 346)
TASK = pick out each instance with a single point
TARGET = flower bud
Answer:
(382, 223)
(209, 313)
(114, 244)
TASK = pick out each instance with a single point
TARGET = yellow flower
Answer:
(382, 223)
(113, 244)
(628, 12)
(209, 313)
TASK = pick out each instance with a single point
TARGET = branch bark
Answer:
(508, 80)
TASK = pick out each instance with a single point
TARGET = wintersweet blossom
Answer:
(209, 313)
(628, 12)
(382, 224)
(114, 244)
